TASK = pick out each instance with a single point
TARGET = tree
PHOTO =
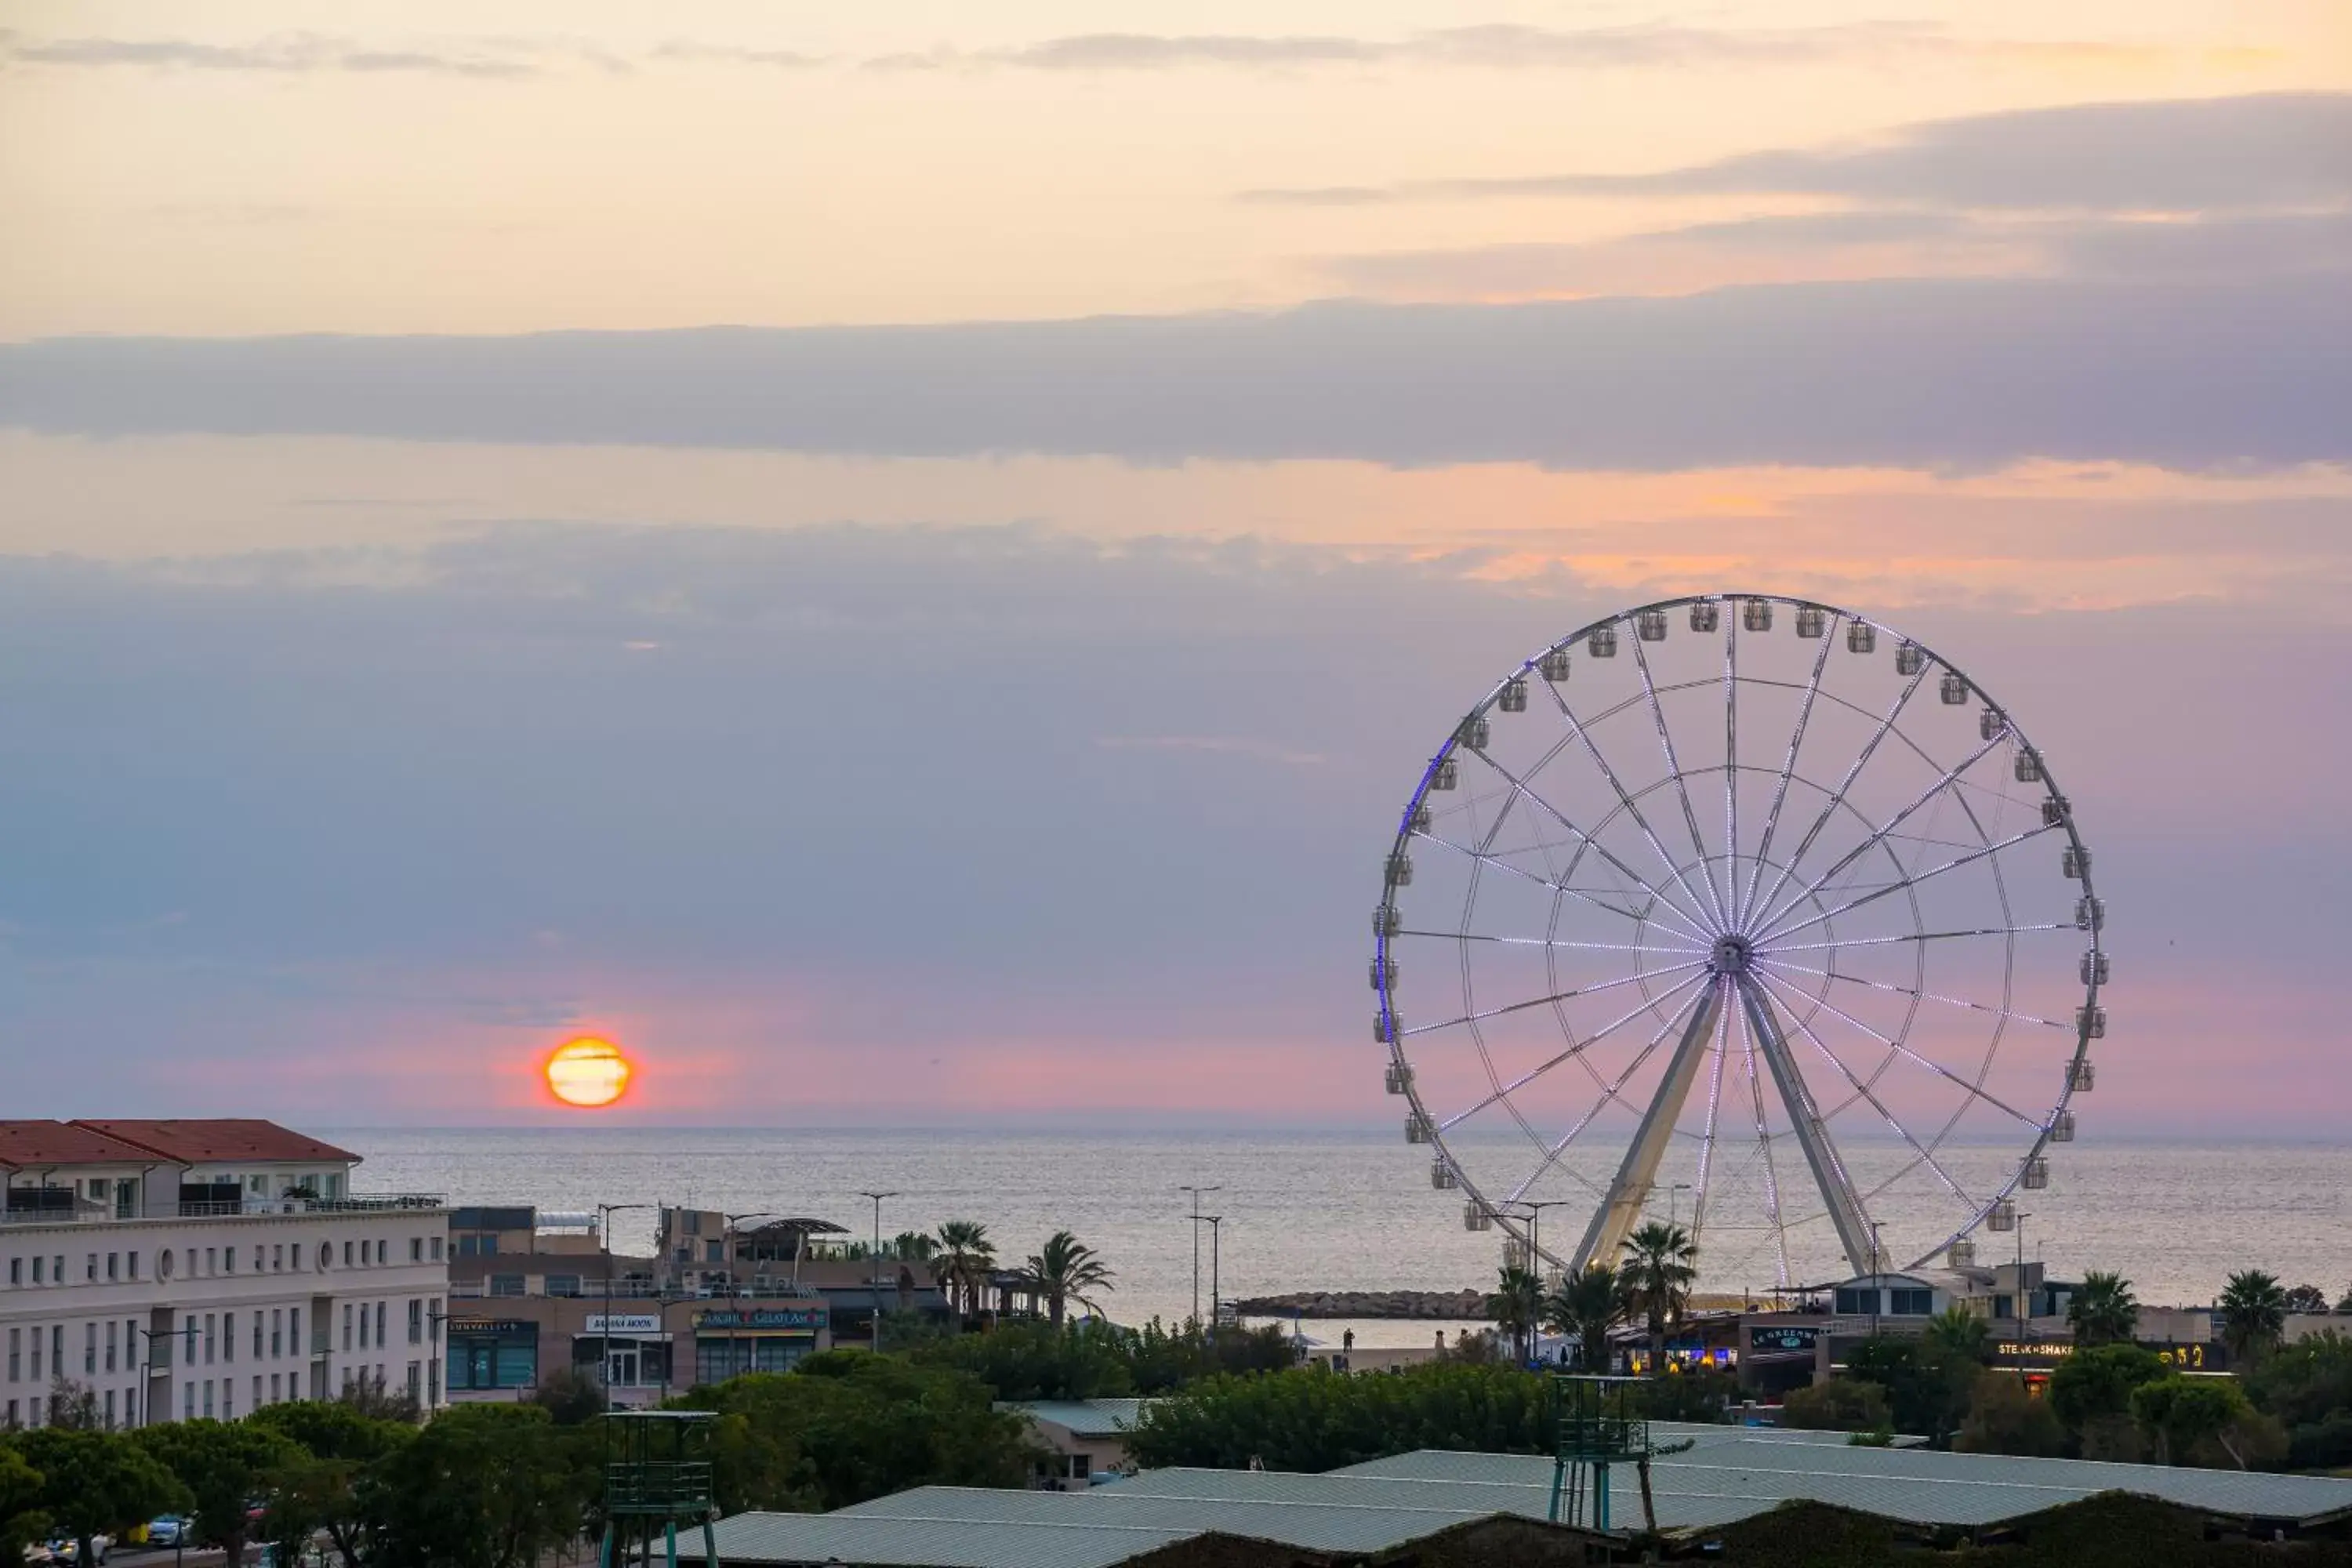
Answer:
(2005, 1418)
(1961, 1334)
(1036, 1360)
(1926, 1386)
(96, 1483)
(1661, 1262)
(2308, 1386)
(2256, 1314)
(1838, 1404)
(224, 1464)
(2205, 1421)
(961, 1264)
(847, 1425)
(2306, 1298)
(20, 1495)
(2103, 1311)
(1516, 1307)
(74, 1405)
(1066, 1269)
(318, 1491)
(480, 1486)
(1307, 1419)
(912, 1246)
(570, 1396)
(1588, 1305)
(2096, 1384)
(371, 1398)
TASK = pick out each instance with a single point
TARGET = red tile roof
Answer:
(221, 1142)
(29, 1145)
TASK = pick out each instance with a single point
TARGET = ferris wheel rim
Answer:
(2067, 825)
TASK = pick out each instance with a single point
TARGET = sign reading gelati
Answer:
(803, 1320)
(623, 1323)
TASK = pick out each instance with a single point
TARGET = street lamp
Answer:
(604, 1212)
(147, 1393)
(2019, 1284)
(1877, 1282)
(1216, 1236)
(1197, 1218)
(735, 1332)
(1534, 1224)
(876, 1263)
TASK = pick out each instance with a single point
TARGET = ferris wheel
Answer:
(1749, 913)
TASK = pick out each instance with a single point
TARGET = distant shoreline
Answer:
(1436, 1306)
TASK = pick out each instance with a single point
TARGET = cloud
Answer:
(286, 53)
(693, 53)
(1970, 372)
(2264, 150)
(1861, 242)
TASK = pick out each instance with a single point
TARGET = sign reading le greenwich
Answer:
(795, 1319)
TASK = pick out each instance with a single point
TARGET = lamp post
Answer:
(735, 1332)
(2019, 1284)
(1535, 1227)
(604, 1212)
(1216, 1238)
(1877, 1284)
(147, 1393)
(1197, 1218)
(876, 1263)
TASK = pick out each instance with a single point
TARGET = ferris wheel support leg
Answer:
(1620, 1209)
(1844, 1205)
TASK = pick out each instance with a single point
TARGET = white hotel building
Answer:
(185, 1269)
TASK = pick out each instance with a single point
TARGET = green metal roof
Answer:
(1084, 1417)
(797, 1538)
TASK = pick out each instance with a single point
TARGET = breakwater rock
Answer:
(1451, 1306)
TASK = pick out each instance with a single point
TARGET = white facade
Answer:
(168, 1308)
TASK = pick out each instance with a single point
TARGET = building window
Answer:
(363, 1325)
(416, 1249)
(109, 1344)
(347, 1325)
(256, 1391)
(380, 1307)
(563, 1284)
(92, 1275)
(273, 1388)
(436, 1249)
(416, 1330)
(228, 1398)
(347, 1255)
(228, 1336)
(276, 1333)
(135, 1265)
(187, 1401)
(209, 1327)
(90, 1347)
(112, 1260)
(1911, 1303)
(36, 1353)
(37, 1268)
(278, 1257)
(506, 1284)
(228, 1257)
(1853, 1301)
(15, 1354)
(294, 1330)
(257, 1333)
(208, 1397)
(110, 1410)
(15, 1271)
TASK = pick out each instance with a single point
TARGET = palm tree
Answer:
(961, 1264)
(1066, 1269)
(2103, 1311)
(1660, 1261)
(1961, 1332)
(2257, 1310)
(1588, 1306)
(1518, 1307)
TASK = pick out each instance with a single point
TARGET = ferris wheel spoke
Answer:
(1631, 809)
(1845, 787)
(1637, 1173)
(1479, 1017)
(1847, 1215)
(1707, 1134)
(1636, 916)
(1922, 996)
(1879, 836)
(1863, 1090)
(1746, 903)
(1612, 1093)
(1914, 936)
(1772, 1214)
(1681, 787)
(1766, 939)
(1777, 985)
(1658, 947)
(1503, 1091)
(1696, 920)
(1730, 764)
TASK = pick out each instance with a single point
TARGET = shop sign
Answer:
(803, 1320)
(623, 1323)
(1777, 1341)
(492, 1326)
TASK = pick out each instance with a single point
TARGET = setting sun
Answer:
(588, 1072)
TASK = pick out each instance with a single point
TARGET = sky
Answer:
(900, 560)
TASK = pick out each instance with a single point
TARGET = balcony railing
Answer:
(89, 1213)
(592, 1291)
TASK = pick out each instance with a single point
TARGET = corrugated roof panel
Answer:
(817, 1537)
(1084, 1417)
(1340, 1519)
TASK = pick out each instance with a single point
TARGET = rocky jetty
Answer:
(1448, 1306)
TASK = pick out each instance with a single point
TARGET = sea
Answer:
(1321, 1209)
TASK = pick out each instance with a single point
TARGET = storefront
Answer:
(730, 1341)
(624, 1351)
(491, 1353)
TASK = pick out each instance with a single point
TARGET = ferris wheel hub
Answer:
(1732, 955)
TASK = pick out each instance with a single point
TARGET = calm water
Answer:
(1326, 1210)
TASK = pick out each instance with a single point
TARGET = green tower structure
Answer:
(656, 1477)
(1598, 1422)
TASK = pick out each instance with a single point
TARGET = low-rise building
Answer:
(1088, 1437)
(178, 1269)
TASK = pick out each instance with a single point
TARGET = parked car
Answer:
(65, 1551)
(168, 1530)
(36, 1555)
